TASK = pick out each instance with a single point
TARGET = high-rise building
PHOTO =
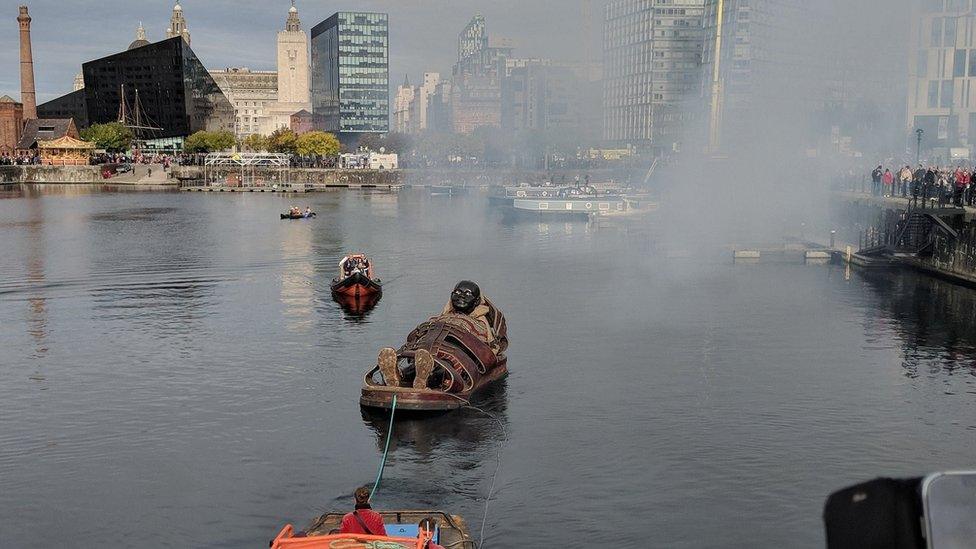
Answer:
(476, 86)
(652, 65)
(421, 103)
(551, 96)
(942, 66)
(801, 73)
(405, 95)
(438, 108)
(412, 104)
(177, 24)
(760, 47)
(350, 73)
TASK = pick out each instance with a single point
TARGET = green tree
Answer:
(204, 141)
(317, 143)
(221, 140)
(283, 140)
(255, 142)
(112, 136)
(197, 143)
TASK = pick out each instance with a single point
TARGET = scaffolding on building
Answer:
(246, 169)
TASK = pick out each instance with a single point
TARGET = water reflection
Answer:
(151, 284)
(934, 319)
(357, 308)
(297, 293)
(36, 302)
(465, 430)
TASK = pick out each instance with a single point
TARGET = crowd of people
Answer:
(136, 157)
(7, 159)
(95, 159)
(942, 184)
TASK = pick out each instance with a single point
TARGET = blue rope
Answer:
(389, 434)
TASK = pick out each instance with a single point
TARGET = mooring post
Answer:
(832, 234)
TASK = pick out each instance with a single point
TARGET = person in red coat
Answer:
(888, 179)
(363, 520)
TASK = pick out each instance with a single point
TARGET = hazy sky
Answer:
(225, 33)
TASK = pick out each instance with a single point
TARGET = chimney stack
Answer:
(27, 95)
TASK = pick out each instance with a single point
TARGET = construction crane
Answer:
(715, 120)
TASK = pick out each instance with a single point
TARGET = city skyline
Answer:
(543, 28)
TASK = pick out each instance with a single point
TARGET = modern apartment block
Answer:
(942, 70)
(652, 65)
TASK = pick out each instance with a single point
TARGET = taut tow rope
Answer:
(491, 487)
(386, 450)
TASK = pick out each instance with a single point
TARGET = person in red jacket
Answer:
(887, 179)
(962, 179)
(363, 520)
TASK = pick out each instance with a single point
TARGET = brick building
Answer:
(11, 123)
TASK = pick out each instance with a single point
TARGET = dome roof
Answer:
(177, 7)
(293, 9)
(137, 44)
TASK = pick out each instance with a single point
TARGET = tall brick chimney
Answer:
(27, 95)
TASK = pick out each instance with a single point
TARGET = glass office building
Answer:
(177, 96)
(350, 73)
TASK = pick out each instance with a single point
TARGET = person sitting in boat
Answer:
(363, 520)
(466, 309)
(429, 525)
(308, 211)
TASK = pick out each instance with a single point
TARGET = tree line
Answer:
(116, 137)
(484, 145)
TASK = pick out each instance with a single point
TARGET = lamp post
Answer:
(918, 144)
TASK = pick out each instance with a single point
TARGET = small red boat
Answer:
(401, 527)
(356, 277)
(456, 356)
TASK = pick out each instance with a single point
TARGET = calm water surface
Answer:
(174, 370)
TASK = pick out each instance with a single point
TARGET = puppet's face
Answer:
(465, 297)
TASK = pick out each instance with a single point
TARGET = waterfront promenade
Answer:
(900, 202)
(938, 241)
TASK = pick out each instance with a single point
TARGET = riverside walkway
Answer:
(901, 203)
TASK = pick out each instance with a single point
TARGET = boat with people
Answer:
(356, 277)
(445, 360)
(366, 528)
(297, 213)
(413, 529)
